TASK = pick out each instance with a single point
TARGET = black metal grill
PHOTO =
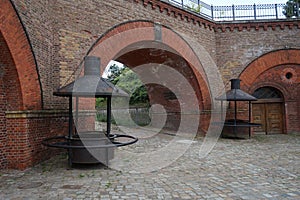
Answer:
(234, 128)
(81, 147)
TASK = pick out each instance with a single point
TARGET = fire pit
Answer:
(89, 147)
(237, 128)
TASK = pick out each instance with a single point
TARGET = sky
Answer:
(239, 2)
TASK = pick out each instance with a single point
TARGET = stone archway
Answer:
(278, 69)
(128, 42)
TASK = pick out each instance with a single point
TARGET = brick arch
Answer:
(268, 61)
(279, 87)
(111, 43)
(268, 70)
(22, 56)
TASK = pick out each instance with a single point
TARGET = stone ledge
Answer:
(44, 113)
(35, 114)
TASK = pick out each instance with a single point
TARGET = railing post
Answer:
(212, 12)
(254, 8)
(182, 4)
(276, 10)
(233, 14)
(297, 7)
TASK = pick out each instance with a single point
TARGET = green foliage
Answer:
(114, 71)
(194, 7)
(128, 81)
(291, 8)
(101, 103)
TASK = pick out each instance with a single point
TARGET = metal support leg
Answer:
(70, 135)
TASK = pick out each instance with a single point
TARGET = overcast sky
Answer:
(239, 2)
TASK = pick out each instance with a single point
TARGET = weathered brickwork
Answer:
(271, 69)
(237, 49)
(276, 77)
(10, 98)
(44, 49)
(3, 161)
(23, 60)
(20, 91)
(24, 135)
(72, 27)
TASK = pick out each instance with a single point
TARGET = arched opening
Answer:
(268, 110)
(153, 59)
(145, 44)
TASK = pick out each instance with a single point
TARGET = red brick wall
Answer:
(238, 48)
(25, 132)
(270, 70)
(19, 49)
(275, 77)
(70, 29)
(10, 95)
(3, 161)
(62, 32)
(20, 137)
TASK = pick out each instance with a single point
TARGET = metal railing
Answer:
(233, 12)
(138, 116)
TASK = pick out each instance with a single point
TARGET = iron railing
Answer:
(233, 12)
(139, 116)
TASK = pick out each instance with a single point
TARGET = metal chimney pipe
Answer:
(235, 83)
(91, 66)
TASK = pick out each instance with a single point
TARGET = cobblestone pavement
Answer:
(263, 167)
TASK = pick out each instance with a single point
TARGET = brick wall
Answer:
(238, 48)
(276, 77)
(3, 161)
(61, 33)
(10, 95)
(25, 133)
(37, 18)
(20, 136)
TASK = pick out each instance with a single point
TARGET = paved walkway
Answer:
(264, 167)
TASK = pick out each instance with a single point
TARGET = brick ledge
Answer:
(35, 114)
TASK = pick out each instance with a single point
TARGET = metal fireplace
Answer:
(235, 127)
(89, 146)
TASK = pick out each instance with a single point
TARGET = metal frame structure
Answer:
(235, 95)
(91, 85)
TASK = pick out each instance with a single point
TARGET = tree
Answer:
(291, 8)
(114, 71)
(128, 81)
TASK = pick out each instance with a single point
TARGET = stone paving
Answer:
(263, 167)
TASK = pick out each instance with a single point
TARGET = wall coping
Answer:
(23, 114)
(19, 114)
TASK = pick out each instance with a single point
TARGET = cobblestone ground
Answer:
(263, 167)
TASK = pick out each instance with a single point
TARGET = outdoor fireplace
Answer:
(234, 127)
(89, 146)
